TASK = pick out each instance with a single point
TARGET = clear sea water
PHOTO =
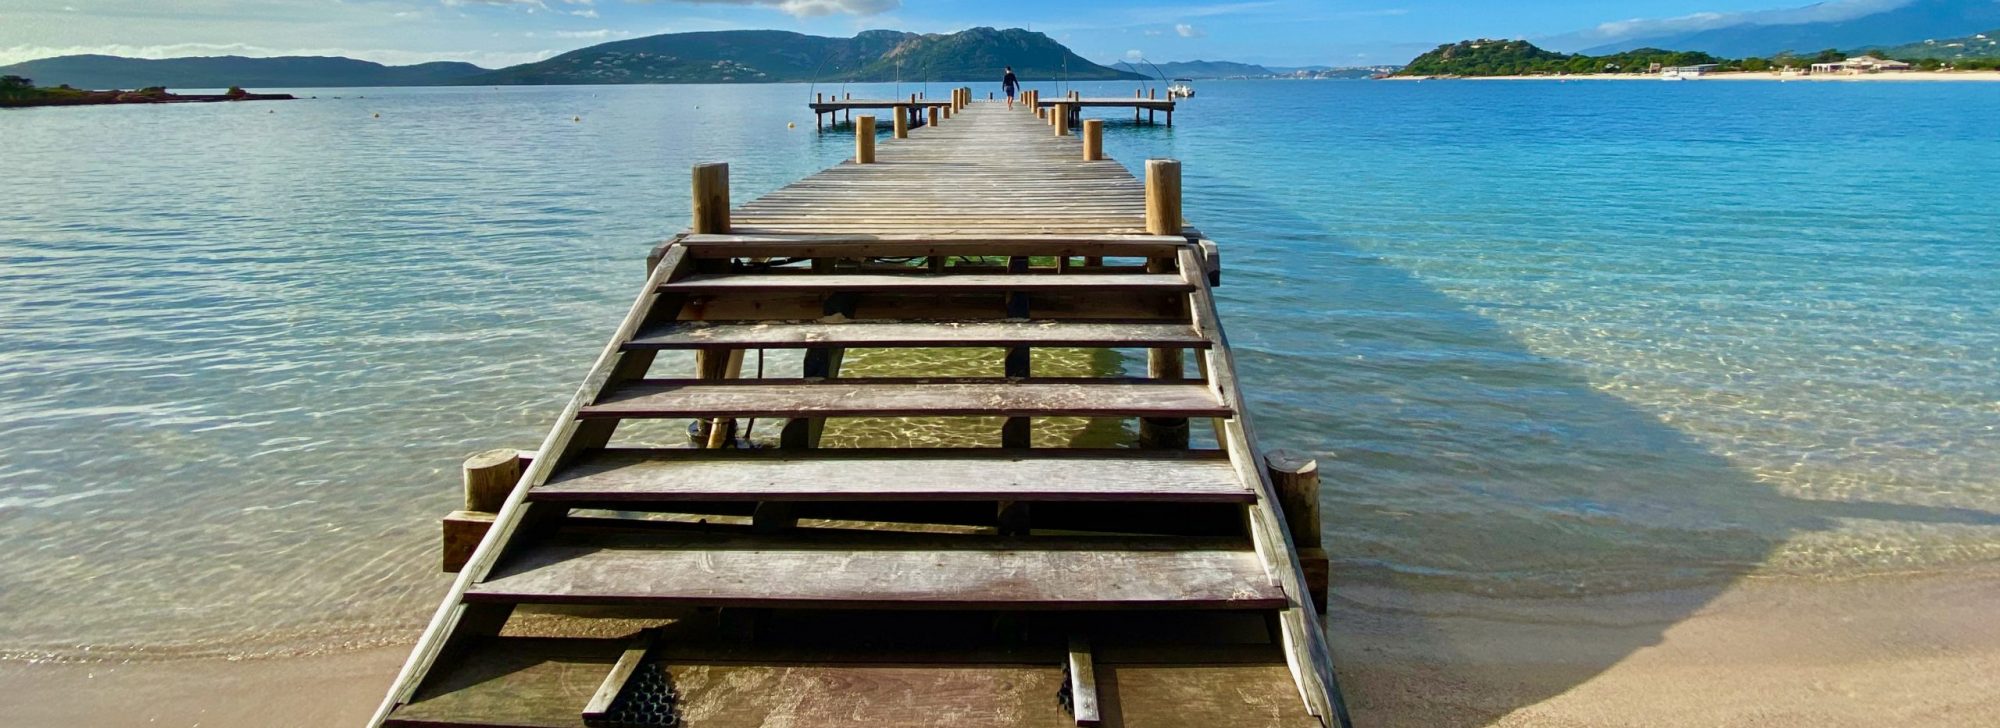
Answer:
(1547, 339)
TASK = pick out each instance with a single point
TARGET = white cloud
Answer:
(1134, 55)
(1187, 31)
(591, 34)
(1831, 11)
(805, 8)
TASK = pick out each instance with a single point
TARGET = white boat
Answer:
(1182, 88)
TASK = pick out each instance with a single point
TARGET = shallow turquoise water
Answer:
(1547, 338)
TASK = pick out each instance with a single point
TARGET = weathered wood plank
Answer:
(921, 244)
(1083, 683)
(629, 476)
(665, 398)
(987, 573)
(925, 283)
(621, 672)
(915, 334)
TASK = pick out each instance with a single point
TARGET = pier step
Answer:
(704, 283)
(684, 398)
(854, 571)
(530, 682)
(629, 476)
(710, 246)
(803, 334)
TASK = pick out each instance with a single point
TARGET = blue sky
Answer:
(501, 32)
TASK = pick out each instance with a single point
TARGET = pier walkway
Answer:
(1155, 584)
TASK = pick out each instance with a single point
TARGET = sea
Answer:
(1548, 340)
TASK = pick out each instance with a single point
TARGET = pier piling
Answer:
(864, 140)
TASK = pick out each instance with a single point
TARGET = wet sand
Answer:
(1879, 652)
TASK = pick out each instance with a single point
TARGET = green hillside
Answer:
(1521, 58)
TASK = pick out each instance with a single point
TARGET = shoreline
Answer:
(1910, 76)
(53, 97)
(1774, 652)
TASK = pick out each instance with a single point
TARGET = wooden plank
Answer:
(1084, 305)
(925, 283)
(915, 334)
(630, 476)
(621, 672)
(920, 244)
(1083, 683)
(984, 573)
(668, 398)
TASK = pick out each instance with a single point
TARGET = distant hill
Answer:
(104, 72)
(1976, 46)
(771, 56)
(1521, 58)
(1903, 23)
(1196, 69)
(1199, 70)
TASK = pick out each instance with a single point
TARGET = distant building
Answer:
(1688, 71)
(1861, 65)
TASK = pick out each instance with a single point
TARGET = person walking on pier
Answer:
(1011, 85)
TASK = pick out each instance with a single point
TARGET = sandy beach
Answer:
(1766, 653)
(1912, 76)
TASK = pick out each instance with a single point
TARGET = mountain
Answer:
(1978, 45)
(769, 56)
(1196, 69)
(1900, 23)
(101, 72)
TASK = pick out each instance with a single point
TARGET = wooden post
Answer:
(934, 115)
(1093, 140)
(1163, 217)
(711, 198)
(947, 110)
(1062, 119)
(902, 124)
(1296, 478)
(864, 141)
(1151, 94)
(1163, 196)
(1137, 94)
(489, 478)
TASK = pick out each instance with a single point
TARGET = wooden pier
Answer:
(915, 112)
(1071, 107)
(1154, 584)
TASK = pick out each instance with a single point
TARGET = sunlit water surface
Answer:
(1548, 339)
